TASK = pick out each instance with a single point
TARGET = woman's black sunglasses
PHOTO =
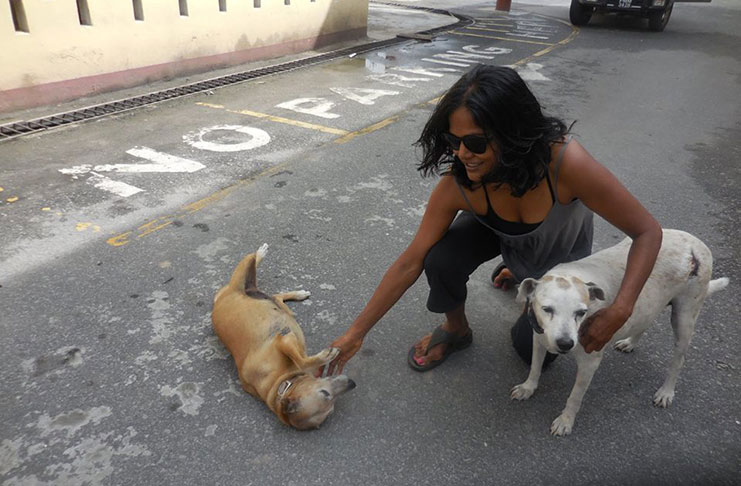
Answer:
(475, 143)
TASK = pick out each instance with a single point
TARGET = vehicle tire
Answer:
(579, 14)
(658, 20)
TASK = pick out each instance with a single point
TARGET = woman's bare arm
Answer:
(442, 206)
(582, 177)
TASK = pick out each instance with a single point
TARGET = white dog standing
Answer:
(563, 298)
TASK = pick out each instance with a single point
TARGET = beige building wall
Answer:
(47, 56)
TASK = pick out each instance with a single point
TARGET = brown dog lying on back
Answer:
(269, 349)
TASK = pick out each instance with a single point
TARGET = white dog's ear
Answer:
(595, 292)
(527, 287)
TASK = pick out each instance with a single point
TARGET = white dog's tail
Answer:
(717, 284)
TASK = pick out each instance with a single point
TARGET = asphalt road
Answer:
(111, 251)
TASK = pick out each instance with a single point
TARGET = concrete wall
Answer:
(60, 59)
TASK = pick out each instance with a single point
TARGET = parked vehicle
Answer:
(657, 11)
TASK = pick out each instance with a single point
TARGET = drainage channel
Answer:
(18, 129)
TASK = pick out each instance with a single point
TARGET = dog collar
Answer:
(532, 319)
(284, 387)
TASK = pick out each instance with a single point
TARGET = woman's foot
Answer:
(440, 351)
(502, 278)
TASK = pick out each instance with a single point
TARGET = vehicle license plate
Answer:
(624, 3)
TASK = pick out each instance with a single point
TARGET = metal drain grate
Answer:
(17, 129)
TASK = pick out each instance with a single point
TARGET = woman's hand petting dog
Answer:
(348, 346)
(599, 328)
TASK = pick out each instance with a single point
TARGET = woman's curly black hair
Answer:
(510, 115)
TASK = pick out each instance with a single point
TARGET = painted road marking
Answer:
(494, 24)
(394, 79)
(434, 72)
(364, 96)
(258, 138)
(486, 29)
(120, 189)
(464, 34)
(311, 106)
(321, 107)
(471, 54)
(158, 223)
(531, 72)
(161, 163)
(277, 119)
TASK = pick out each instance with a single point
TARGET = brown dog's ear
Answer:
(525, 290)
(595, 292)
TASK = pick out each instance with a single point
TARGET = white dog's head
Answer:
(557, 306)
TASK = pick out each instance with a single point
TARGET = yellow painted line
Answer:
(503, 38)
(560, 43)
(157, 224)
(287, 121)
(493, 24)
(563, 42)
(152, 226)
(119, 240)
(279, 119)
(486, 30)
(210, 105)
(366, 130)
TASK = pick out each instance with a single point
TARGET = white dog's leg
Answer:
(628, 344)
(587, 364)
(684, 315)
(294, 295)
(525, 390)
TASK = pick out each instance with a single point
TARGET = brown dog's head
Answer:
(304, 402)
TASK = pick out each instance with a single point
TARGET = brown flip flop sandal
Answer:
(440, 336)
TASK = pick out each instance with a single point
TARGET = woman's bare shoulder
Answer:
(576, 170)
(448, 192)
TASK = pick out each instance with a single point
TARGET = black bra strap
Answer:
(557, 165)
(486, 194)
(550, 186)
(470, 206)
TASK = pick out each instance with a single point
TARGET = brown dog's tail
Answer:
(244, 277)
